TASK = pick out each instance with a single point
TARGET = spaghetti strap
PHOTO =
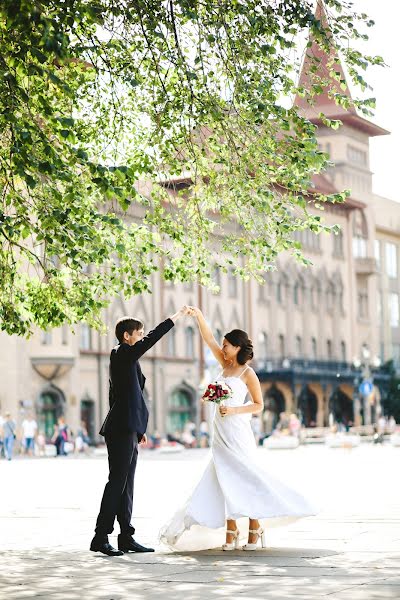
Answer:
(244, 370)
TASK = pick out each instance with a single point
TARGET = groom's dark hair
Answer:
(127, 324)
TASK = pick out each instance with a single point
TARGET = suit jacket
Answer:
(128, 411)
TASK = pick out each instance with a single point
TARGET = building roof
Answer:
(323, 185)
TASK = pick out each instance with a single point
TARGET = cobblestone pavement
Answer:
(350, 551)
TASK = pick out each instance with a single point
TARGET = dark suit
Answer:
(123, 428)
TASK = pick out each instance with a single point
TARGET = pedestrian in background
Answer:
(29, 428)
(9, 428)
(294, 425)
(60, 436)
(1, 437)
(41, 444)
(204, 434)
(255, 424)
(82, 439)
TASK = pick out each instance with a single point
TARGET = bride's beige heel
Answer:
(261, 536)
(234, 545)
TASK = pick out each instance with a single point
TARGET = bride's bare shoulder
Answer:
(249, 374)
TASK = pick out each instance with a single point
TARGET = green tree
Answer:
(99, 96)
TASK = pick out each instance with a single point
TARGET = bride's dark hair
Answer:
(237, 337)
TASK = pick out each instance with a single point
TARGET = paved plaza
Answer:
(350, 551)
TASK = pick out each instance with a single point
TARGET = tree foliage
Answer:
(99, 96)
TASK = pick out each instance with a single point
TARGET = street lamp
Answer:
(365, 387)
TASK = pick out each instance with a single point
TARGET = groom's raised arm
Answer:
(140, 347)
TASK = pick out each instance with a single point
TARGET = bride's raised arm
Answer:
(207, 335)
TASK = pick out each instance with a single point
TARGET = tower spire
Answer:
(321, 64)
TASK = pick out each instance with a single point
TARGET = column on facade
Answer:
(316, 388)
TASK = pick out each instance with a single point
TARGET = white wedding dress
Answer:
(234, 485)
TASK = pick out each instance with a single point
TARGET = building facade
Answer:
(318, 332)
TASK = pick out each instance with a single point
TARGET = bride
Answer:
(233, 485)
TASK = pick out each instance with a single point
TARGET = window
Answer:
(282, 346)
(343, 351)
(396, 354)
(377, 252)
(171, 342)
(359, 247)
(328, 149)
(218, 335)
(189, 338)
(341, 304)
(363, 304)
(360, 234)
(232, 283)
(263, 344)
(391, 260)
(314, 352)
(279, 292)
(356, 155)
(338, 244)
(217, 276)
(394, 309)
(308, 239)
(263, 289)
(380, 308)
(330, 296)
(329, 349)
(188, 286)
(299, 350)
(180, 411)
(312, 297)
(64, 335)
(85, 342)
(46, 338)
(296, 294)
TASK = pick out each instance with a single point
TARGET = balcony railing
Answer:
(365, 265)
(309, 364)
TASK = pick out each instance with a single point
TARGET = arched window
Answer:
(343, 351)
(189, 339)
(314, 351)
(330, 296)
(218, 335)
(282, 346)
(264, 289)
(232, 283)
(263, 345)
(360, 234)
(296, 293)
(279, 295)
(180, 410)
(64, 335)
(338, 244)
(171, 342)
(49, 406)
(329, 349)
(217, 276)
(85, 341)
(299, 348)
(46, 338)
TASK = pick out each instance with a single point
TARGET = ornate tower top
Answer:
(323, 63)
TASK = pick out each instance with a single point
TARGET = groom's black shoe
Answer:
(126, 543)
(102, 545)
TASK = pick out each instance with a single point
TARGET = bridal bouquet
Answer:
(217, 392)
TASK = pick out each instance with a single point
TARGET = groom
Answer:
(124, 428)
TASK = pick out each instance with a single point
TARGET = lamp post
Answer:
(364, 388)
